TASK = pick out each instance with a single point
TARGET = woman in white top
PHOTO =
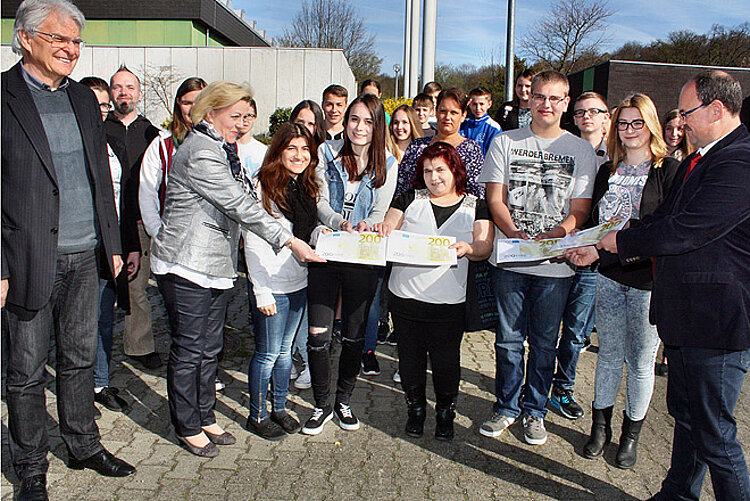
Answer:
(157, 160)
(428, 304)
(288, 191)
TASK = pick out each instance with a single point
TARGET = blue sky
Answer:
(473, 31)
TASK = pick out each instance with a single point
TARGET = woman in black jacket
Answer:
(516, 114)
(630, 186)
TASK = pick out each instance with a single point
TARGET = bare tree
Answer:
(334, 24)
(159, 86)
(573, 31)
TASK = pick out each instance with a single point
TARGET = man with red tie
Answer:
(700, 238)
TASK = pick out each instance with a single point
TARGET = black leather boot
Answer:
(601, 432)
(445, 413)
(417, 410)
(627, 452)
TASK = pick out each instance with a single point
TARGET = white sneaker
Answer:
(303, 382)
(496, 425)
(294, 374)
(219, 384)
(396, 377)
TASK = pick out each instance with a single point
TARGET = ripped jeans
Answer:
(357, 284)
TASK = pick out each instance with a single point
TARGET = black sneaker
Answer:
(287, 422)
(109, 398)
(347, 420)
(563, 401)
(370, 366)
(150, 360)
(391, 339)
(384, 330)
(320, 417)
(265, 429)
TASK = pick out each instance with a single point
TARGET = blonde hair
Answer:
(648, 112)
(218, 95)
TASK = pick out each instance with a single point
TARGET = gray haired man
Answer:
(58, 221)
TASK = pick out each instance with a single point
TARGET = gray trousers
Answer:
(71, 315)
(138, 338)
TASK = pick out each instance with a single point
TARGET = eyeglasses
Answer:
(60, 41)
(635, 125)
(684, 114)
(591, 111)
(105, 106)
(553, 100)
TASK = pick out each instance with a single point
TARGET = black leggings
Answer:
(442, 341)
(357, 284)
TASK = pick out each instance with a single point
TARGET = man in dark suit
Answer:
(57, 209)
(700, 238)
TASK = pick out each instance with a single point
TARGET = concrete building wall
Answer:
(280, 77)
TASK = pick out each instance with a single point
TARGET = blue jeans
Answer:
(578, 321)
(373, 319)
(71, 314)
(300, 340)
(529, 307)
(107, 298)
(625, 337)
(702, 391)
(274, 336)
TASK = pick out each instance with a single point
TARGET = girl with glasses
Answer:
(630, 186)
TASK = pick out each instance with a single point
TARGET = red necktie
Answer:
(693, 162)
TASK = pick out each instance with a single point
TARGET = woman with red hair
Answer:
(428, 304)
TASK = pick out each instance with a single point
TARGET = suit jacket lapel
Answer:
(21, 104)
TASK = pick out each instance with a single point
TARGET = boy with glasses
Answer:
(539, 183)
(591, 116)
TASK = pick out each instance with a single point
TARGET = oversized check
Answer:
(592, 236)
(425, 250)
(515, 250)
(360, 248)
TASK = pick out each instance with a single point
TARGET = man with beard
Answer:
(136, 132)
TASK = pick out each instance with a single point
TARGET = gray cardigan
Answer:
(203, 207)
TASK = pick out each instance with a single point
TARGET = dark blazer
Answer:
(700, 236)
(658, 183)
(507, 116)
(30, 203)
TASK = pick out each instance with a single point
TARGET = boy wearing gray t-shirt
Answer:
(539, 183)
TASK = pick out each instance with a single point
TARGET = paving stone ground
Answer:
(378, 462)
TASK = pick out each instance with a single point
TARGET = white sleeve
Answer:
(148, 190)
(259, 275)
(495, 165)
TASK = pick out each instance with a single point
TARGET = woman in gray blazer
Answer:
(194, 257)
